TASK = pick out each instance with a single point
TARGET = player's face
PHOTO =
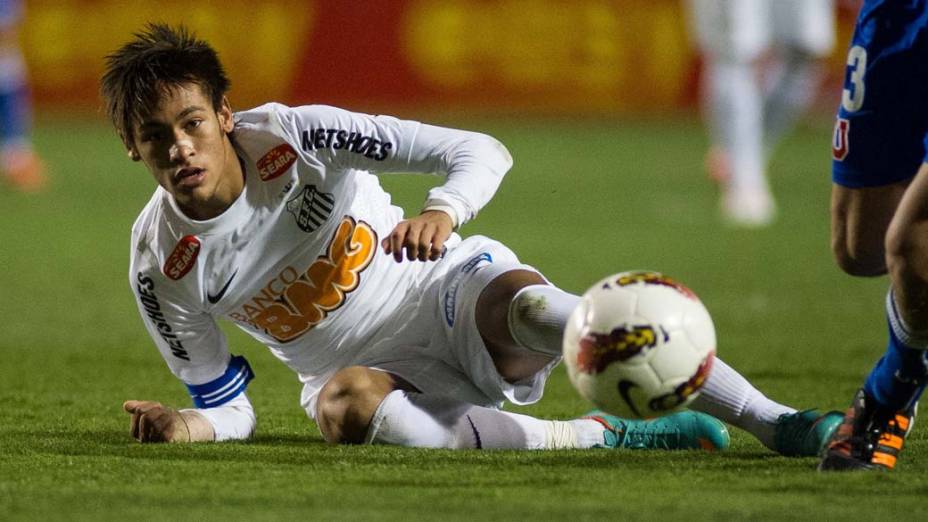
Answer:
(184, 142)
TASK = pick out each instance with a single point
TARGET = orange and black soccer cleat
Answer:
(869, 438)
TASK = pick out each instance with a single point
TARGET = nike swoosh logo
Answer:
(213, 299)
(624, 387)
(476, 433)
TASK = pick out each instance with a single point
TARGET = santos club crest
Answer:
(310, 207)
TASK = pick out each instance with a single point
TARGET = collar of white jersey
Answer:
(237, 214)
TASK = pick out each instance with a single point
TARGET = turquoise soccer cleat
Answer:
(679, 431)
(805, 433)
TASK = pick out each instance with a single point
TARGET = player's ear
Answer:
(224, 113)
(131, 151)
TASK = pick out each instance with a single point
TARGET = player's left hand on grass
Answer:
(154, 422)
(423, 237)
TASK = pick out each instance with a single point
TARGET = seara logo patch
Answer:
(277, 161)
(182, 258)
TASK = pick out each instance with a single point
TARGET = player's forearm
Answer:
(473, 163)
(234, 420)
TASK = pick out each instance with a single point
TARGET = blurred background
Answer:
(524, 57)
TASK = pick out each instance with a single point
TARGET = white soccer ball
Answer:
(639, 345)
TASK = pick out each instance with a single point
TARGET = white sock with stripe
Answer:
(434, 421)
(728, 396)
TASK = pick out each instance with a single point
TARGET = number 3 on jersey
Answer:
(852, 99)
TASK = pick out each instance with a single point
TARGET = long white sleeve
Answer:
(472, 163)
(234, 420)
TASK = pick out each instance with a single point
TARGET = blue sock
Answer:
(14, 115)
(15, 99)
(898, 379)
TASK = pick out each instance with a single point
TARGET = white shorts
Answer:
(437, 347)
(742, 30)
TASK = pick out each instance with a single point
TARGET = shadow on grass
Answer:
(311, 450)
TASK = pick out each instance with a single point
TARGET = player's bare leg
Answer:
(907, 254)
(860, 218)
(881, 414)
(349, 399)
(521, 303)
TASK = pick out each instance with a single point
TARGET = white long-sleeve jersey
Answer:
(295, 260)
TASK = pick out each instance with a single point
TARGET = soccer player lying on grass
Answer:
(400, 331)
(879, 215)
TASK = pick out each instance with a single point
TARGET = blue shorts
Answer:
(881, 132)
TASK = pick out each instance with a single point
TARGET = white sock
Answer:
(434, 421)
(736, 112)
(538, 315)
(731, 398)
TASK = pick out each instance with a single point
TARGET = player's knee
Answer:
(904, 247)
(347, 402)
(496, 301)
(857, 259)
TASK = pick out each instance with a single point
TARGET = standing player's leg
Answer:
(732, 37)
(859, 220)
(879, 143)
(19, 163)
(804, 32)
(880, 416)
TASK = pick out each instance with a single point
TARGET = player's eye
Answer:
(193, 124)
(150, 136)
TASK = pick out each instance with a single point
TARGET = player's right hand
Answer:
(423, 237)
(154, 422)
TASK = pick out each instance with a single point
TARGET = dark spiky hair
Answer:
(160, 58)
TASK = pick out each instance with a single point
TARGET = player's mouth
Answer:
(189, 177)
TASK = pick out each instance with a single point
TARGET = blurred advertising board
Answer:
(518, 56)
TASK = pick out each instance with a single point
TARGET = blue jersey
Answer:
(881, 132)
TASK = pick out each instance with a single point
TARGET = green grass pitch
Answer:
(583, 200)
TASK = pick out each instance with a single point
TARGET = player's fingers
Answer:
(411, 242)
(142, 435)
(395, 241)
(140, 406)
(426, 238)
(438, 246)
(159, 423)
(134, 426)
(150, 425)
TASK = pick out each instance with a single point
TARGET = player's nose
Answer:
(180, 151)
